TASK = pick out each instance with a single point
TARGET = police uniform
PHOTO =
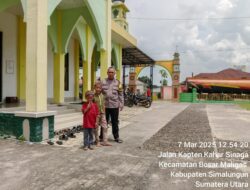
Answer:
(113, 94)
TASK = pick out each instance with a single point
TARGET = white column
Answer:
(105, 58)
(36, 55)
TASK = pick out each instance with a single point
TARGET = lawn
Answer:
(245, 105)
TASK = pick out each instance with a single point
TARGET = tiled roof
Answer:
(227, 74)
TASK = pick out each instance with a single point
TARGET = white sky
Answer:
(204, 45)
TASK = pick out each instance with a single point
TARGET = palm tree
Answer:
(164, 76)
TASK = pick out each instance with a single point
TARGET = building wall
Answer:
(8, 25)
(67, 94)
(167, 92)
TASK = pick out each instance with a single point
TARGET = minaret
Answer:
(119, 12)
(176, 76)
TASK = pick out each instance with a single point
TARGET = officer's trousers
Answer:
(112, 113)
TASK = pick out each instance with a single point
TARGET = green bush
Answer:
(21, 138)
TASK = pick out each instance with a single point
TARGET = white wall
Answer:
(50, 71)
(8, 25)
(70, 93)
(167, 92)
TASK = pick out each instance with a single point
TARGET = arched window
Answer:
(115, 13)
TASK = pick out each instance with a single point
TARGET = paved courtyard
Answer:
(133, 164)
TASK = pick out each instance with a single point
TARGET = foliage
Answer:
(159, 95)
(165, 82)
(21, 138)
(145, 79)
(163, 73)
(164, 76)
(245, 105)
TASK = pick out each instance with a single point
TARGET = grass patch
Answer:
(245, 105)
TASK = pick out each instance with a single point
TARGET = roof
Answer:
(133, 56)
(122, 37)
(120, 4)
(227, 74)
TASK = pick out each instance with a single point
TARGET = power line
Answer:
(188, 19)
(185, 52)
(222, 50)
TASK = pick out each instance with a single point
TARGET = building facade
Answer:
(43, 45)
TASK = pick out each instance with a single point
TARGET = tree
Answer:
(165, 82)
(164, 77)
(145, 79)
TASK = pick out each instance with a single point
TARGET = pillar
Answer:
(119, 74)
(152, 80)
(21, 59)
(59, 64)
(59, 61)
(36, 56)
(124, 77)
(93, 71)
(87, 64)
(120, 67)
(105, 60)
(105, 57)
(77, 57)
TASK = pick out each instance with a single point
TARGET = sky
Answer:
(205, 44)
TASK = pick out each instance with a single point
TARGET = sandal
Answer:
(106, 144)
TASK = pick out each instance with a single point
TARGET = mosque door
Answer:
(1, 66)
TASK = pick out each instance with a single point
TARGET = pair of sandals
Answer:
(102, 144)
(57, 142)
(106, 144)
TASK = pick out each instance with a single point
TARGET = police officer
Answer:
(113, 101)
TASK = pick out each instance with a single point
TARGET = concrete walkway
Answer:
(118, 167)
(125, 166)
(229, 122)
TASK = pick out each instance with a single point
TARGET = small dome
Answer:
(118, 1)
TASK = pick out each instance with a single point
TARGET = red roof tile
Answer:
(227, 74)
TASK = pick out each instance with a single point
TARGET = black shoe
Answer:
(118, 141)
(59, 142)
(74, 130)
(50, 142)
(78, 129)
(71, 135)
(63, 137)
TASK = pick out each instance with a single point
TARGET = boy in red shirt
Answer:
(90, 112)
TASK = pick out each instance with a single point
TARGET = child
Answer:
(90, 111)
(101, 118)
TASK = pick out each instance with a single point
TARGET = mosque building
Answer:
(43, 46)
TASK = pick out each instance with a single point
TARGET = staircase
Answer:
(66, 117)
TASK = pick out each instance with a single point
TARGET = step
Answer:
(68, 119)
(13, 109)
(68, 115)
(55, 108)
(59, 112)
